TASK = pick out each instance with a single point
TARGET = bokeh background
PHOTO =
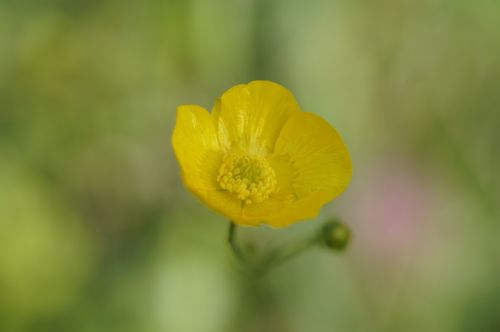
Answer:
(97, 232)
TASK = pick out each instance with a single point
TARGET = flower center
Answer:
(250, 178)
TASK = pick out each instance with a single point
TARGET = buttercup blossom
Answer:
(257, 158)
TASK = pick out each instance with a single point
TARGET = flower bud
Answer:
(335, 235)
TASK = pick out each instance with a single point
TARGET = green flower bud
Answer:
(335, 235)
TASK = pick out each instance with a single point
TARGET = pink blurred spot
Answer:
(390, 211)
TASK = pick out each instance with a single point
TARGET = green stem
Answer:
(296, 250)
(279, 257)
(232, 240)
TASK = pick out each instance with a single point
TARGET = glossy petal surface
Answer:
(258, 159)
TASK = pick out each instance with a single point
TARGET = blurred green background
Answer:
(97, 232)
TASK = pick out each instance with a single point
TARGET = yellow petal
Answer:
(262, 213)
(284, 207)
(196, 147)
(251, 116)
(231, 207)
(198, 152)
(310, 161)
(319, 166)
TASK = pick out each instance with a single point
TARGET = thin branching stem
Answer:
(273, 258)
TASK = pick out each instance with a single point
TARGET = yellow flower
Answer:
(257, 158)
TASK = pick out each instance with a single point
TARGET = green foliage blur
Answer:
(97, 232)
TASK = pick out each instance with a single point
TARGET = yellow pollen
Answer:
(249, 178)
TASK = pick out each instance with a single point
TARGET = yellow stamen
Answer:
(249, 178)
